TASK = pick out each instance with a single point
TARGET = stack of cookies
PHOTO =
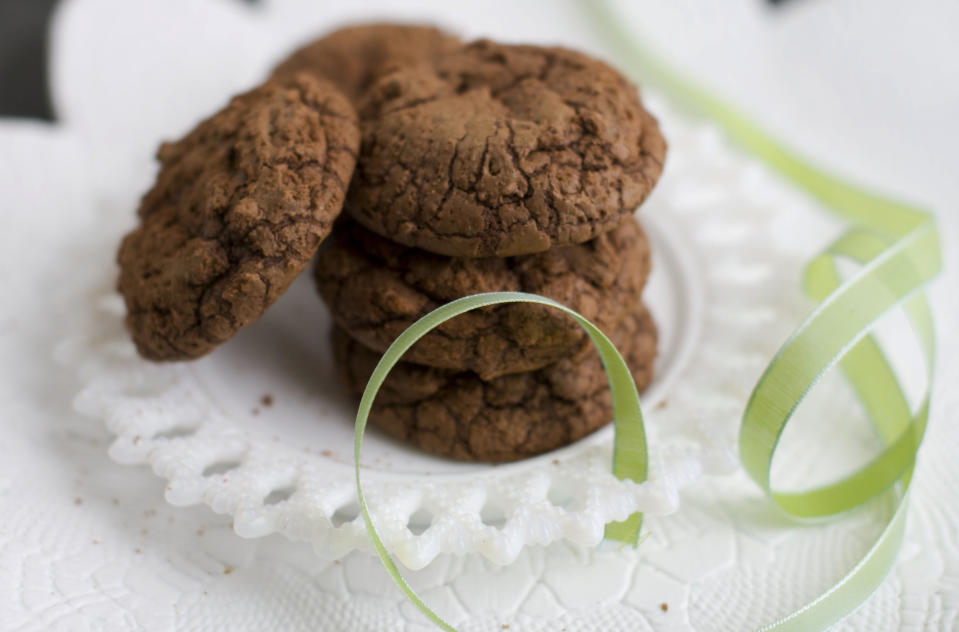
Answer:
(463, 168)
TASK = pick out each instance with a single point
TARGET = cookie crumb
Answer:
(137, 550)
(200, 532)
(661, 405)
(96, 541)
(115, 501)
(77, 501)
(227, 570)
(505, 626)
(136, 440)
(326, 453)
(149, 513)
(555, 461)
(267, 400)
(664, 606)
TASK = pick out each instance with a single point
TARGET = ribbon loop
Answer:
(898, 247)
(629, 446)
(838, 326)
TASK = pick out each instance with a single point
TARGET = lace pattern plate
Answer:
(261, 429)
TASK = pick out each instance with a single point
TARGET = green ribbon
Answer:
(629, 446)
(897, 247)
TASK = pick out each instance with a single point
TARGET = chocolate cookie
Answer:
(376, 288)
(502, 150)
(238, 208)
(353, 57)
(457, 414)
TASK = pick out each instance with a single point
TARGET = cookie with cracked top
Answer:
(501, 150)
(355, 56)
(238, 209)
(456, 414)
(376, 288)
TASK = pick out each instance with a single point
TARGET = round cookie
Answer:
(237, 211)
(456, 414)
(353, 57)
(499, 150)
(376, 289)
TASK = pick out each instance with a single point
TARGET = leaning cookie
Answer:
(376, 288)
(238, 209)
(498, 150)
(456, 414)
(355, 56)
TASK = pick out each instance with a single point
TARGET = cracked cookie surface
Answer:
(355, 56)
(375, 289)
(238, 209)
(456, 414)
(499, 150)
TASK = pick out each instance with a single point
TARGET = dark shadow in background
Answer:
(23, 58)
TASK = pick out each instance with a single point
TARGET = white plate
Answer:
(263, 430)
(286, 467)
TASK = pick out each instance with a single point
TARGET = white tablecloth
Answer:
(871, 90)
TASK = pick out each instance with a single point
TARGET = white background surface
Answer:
(870, 89)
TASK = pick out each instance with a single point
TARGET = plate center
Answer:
(277, 378)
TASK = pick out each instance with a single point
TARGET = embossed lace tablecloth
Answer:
(88, 544)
